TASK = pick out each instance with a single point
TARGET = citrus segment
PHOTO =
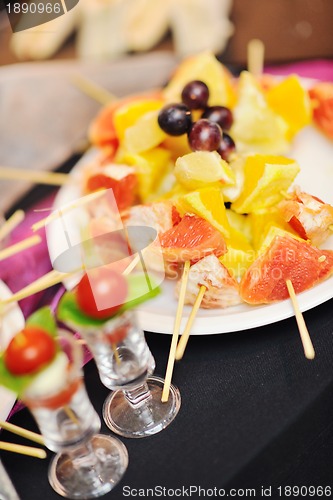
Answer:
(240, 254)
(266, 178)
(262, 222)
(192, 239)
(206, 203)
(291, 101)
(321, 96)
(126, 115)
(285, 258)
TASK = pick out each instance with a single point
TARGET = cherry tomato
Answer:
(29, 351)
(108, 287)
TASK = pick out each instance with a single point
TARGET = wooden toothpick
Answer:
(255, 57)
(186, 334)
(175, 334)
(304, 333)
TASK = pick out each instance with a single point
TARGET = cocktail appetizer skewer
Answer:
(43, 365)
(287, 265)
(134, 409)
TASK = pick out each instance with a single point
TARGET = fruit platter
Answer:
(235, 175)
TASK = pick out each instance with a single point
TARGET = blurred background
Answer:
(109, 29)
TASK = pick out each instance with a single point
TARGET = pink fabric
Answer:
(321, 69)
(25, 267)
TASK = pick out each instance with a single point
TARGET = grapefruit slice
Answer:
(192, 239)
(286, 258)
(121, 179)
(321, 96)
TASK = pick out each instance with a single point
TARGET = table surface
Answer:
(254, 413)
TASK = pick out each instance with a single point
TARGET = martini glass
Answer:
(87, 464)
(125, 365)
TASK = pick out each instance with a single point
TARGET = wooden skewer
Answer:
(131, 265)
(116, 353)
(255, 57)
(15, 429)
(175, 334)
(11, 223)
(59, 213)
(71, 415)
(23, 450)
(36, 176)
(46, 281)
(304, 333)
(186, 334)
(93, 90)
(19, 247)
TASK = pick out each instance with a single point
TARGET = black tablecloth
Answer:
(254, 413)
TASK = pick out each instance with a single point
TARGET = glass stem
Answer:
(83, 456)
(138, 396)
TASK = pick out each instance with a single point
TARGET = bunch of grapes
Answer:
(206, 134)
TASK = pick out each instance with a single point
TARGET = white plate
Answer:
(314, 154)
(12, 322)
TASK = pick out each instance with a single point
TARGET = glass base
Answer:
(150, 417)
(86, 480)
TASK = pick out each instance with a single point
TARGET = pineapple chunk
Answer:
(257, 128)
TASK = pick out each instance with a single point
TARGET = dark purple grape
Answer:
(195, 95)
(175, 119)
(226, 146)
(219, 114)
(205, 136)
